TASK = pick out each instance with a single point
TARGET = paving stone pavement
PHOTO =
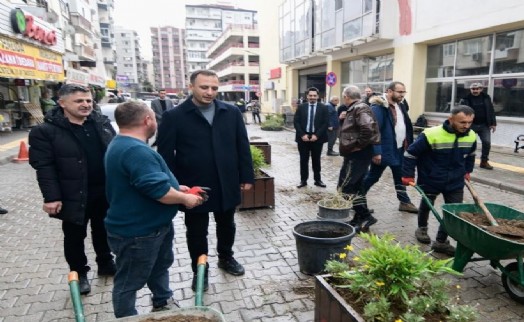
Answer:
(33, 273)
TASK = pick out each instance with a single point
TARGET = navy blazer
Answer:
(321, 122)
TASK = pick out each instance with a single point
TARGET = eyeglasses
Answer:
(401, 92)
(475, 88)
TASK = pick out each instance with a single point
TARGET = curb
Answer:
(499, 184)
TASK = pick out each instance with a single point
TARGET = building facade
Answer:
(129, 73)
(435, 51)
(169, 61)
(235, 58)
(205, 23)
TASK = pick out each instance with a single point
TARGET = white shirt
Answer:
(400, 127)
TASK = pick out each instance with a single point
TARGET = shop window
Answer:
(438, 97)
(508, 97)
(472, 56)
(507, 52)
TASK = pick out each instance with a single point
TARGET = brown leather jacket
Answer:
(359, 129)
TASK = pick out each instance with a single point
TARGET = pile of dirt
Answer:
(511, 229)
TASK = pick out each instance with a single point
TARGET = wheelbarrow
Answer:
(472, 239)
(199, 310)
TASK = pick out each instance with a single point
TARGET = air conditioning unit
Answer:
(476, 56)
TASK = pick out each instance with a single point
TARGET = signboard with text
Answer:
(20, 60)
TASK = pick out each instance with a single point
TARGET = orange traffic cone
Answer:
(23, 154)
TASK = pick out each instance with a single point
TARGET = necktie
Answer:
(311, 118)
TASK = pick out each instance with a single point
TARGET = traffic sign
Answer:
(331, 79)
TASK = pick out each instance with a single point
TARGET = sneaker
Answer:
(83, 284)
(107, 269)
(443, 248)
(422, 235)
(367, 222)
(169, 304)
(486, 165)
(231, 266)
(194, 283)
(408, 207)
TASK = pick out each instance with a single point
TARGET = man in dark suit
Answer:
(311, 122)
(160, 105)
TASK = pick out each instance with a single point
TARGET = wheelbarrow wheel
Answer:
(514, 289)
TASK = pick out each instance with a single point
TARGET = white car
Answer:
(108, 110)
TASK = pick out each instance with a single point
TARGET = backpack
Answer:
(421, 121)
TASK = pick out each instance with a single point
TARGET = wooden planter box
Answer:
(330, 306)
(266, 150)
(261, 195)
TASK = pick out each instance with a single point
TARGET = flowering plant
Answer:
(397, 283)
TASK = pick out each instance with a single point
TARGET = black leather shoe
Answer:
(231, 266)
(319, 183)
(206, 282)
(302, 184)
(331, 153)
(3, 211)
(107, 269)
(83, 284)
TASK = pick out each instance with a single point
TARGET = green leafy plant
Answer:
(258, 160)
(387, 275)
(273, 123)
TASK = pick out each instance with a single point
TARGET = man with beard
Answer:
(396, 133)
(204, 142)
(444, 156)
(143, 196)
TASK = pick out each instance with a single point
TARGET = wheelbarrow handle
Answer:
(428, 202)
(201, 272)
(76, 299)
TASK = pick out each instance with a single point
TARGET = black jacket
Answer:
(490, 110)
(321, 122)
(60, 162)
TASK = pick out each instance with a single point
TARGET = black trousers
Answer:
(423, 210)
(351, 182)
(307, 149)
(75, 235)
(332, 138)
(197, 229)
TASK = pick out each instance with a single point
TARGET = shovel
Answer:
(495, 228)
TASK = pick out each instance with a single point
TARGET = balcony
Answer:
(85, 52)
(80, 23)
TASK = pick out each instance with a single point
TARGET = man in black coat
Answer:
(311, 123)
(484, 122)
(67, 152)
(204, 142)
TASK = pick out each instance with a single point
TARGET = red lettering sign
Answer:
(275, 73)
(38, 33)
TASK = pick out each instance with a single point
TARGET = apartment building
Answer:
(437, 52)
(169, 62)
(205, 23)
(235, 58)
(129, 73)
(107, 36)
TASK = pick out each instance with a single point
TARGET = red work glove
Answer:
(467, 176)
(198, 191)
(407, 181)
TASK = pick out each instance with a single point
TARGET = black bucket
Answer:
(319, 241)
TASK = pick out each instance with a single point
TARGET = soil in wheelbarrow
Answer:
(511, 229)
(181, 318)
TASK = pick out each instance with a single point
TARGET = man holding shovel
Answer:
(444, 156)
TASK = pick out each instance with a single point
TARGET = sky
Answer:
(142, 14)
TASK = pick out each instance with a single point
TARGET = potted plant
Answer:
(388, 282)
(336, 206)
(272, 123)
(263, 192)
(265, 147)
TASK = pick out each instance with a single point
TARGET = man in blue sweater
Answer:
(143, 199)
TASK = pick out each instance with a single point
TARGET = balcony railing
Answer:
(80, 23)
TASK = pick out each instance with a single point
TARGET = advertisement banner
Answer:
(20, 60)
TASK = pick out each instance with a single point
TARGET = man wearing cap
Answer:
(484, 122)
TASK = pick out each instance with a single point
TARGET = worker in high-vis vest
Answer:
(444, 156)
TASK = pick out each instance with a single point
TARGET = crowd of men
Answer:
(129, 193)
(375, 132)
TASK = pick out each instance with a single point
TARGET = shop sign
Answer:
(24, 24)
(97, 80)
(77, 77)
(275, 73)
(19, 60)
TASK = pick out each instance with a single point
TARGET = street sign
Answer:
(331, 79)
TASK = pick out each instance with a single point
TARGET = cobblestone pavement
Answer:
(33, 273)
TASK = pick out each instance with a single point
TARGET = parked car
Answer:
(108, 110)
